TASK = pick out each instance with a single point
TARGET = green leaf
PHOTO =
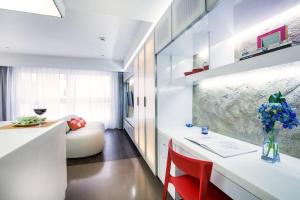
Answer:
(277, 98)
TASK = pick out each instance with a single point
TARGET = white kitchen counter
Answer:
(33, 163)
(12, 139)
(263, 180)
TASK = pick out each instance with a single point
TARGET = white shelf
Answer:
(279, 57)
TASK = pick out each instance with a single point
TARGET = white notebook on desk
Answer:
(221, 146)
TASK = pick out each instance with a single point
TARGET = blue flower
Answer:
(277, 111)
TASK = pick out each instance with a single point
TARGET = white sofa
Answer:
(85, 141)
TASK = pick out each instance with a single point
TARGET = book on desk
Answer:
(223, 147)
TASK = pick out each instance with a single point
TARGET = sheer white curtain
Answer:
(92, 95)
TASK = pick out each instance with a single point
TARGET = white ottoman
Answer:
(86, 141)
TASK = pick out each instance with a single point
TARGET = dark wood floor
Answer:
(117, 146)
(119, 172)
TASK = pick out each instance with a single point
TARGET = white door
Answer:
(141, 101)
(150, 102)
(136, 100)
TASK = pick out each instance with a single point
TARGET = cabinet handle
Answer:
(138, 101)
(145, 102)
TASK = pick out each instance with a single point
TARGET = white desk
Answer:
(33, 163)
(257, 178)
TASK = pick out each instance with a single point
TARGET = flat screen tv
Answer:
(130, 98)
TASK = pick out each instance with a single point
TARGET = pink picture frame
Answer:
(283, 30)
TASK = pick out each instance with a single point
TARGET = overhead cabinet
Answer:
(177, 18)
(163, 31)
(210, 4)
(184, 13)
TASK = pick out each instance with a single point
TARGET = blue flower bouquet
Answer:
(276, 110)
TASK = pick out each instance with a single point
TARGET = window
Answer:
(92, 95)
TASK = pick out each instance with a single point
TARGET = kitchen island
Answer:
(33, 162)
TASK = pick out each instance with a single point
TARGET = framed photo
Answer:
(275, 36)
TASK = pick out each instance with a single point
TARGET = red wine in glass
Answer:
(40, 112)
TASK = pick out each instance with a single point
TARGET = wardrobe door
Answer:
(150, 102)
(136, 100)
(142, 101)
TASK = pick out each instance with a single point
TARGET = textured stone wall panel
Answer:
(228, 104)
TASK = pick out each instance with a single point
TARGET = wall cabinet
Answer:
(184, 13)
(178, 17)
(144, 107)
(163, 31)
(210, 4)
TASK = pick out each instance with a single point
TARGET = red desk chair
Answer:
(195, 184)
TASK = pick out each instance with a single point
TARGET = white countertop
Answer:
(12, 139)
(262, 179)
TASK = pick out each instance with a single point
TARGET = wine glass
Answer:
(40, 109)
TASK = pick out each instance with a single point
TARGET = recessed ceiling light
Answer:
(43, 7)
(102, 38)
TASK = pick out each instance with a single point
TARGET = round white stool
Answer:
(85, 141)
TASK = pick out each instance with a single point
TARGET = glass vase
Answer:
(270, 149)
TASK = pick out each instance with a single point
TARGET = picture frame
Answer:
(272, 37)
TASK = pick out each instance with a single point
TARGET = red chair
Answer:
(195, 184)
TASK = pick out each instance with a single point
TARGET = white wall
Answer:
(174, 98)
(140, 35)
(233, 16)
(244, 11)
(221, 28)
(23, 60)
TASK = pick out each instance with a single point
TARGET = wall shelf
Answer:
(283, 56)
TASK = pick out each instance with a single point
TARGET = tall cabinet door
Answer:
(150, 102)
(141, 114)
(136, 100)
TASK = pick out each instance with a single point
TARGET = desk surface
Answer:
(12, 139)
(262, 179)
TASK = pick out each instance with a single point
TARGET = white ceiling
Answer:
(145, 10)
(77, 35)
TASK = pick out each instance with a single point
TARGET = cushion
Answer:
(82, 120)
(76, 123)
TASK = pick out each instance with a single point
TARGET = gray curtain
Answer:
(5, 93)
(121, 99)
